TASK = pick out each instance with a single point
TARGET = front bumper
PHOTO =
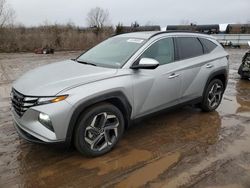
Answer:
(32, 130)
(25, 135)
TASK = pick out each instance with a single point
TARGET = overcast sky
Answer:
(159, 12)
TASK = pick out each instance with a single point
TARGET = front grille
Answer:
(22, 103)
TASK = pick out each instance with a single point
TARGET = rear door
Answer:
(190, 52)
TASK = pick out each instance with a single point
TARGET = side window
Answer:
(208, 45)
(188, 47)
(162, 51)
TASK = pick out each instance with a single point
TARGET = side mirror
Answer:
(146, 63)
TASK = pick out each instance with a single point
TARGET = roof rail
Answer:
(174, 31)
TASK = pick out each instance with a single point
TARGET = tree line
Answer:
(18, 38)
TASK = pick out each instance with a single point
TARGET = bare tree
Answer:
(98, 17)
(6, 14)
(135, 24)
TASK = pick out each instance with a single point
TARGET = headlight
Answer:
(47, 100)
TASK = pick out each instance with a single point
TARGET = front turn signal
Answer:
(59, 98)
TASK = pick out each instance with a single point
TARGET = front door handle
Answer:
(173, 76)
(209, 66)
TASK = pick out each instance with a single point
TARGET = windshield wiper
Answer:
(86, 63)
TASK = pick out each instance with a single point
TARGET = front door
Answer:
(158, 88)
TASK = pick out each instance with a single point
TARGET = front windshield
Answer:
(113, 52)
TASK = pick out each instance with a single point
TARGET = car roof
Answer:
(150, 34)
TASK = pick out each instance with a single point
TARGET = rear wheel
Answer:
(212, 96)
(99, 129)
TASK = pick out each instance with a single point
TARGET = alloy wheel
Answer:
(214, 95)
(102, 131)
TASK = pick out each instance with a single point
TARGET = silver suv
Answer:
(91, 100)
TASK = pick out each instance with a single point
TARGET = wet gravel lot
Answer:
(181, 148)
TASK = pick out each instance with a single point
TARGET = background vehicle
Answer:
(213, 28)
(238, 29)
(207, 29)
(45, 50)
(91, 100)
(136, 28)
(244, 69)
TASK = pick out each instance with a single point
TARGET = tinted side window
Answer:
(162, 51)
(208, 45)
(188, 47)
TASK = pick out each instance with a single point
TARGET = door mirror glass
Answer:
(146, 63)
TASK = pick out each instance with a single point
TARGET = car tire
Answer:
(212, 96)
(98, 130)
(241, 73)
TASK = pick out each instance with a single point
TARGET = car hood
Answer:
(50, 79)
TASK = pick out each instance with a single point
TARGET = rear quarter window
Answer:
(208, 45)
(188, 47)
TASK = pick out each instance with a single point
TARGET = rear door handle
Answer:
(209, 66)
(173, 76)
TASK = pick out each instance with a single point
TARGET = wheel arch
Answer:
(116, 98)
(221, 75)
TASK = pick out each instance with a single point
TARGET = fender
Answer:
(117, 95)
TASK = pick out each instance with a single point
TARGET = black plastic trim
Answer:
(203, 46)
(168, 109)
(144, 66)
(176, 53)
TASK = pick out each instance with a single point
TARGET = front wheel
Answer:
(99, 129)
(212, 96)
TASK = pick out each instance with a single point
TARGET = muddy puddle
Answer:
(181, 148)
